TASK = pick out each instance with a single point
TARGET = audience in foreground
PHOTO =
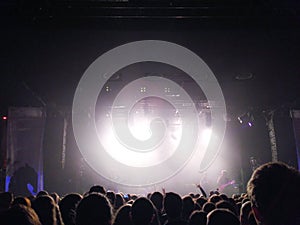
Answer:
(272, 198)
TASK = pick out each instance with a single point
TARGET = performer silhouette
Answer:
(24, 181)
(225, 183)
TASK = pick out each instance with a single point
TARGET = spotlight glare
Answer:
(111, 145)
(247, 119)
(140, 129)
(206, 134)
(240, 120)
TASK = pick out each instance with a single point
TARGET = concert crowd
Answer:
(272, 198)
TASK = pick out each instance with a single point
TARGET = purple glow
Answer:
(7, 181)
(250, 124)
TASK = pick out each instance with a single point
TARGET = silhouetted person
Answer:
(20, 215)
(22, 201)
(55, 197)
(94, 209)
(42, 193)
(198, 218)
(253, 162)
(244, 213)
(225, 183)
(226, 205)
(157, 200)
(201, 201)
(223, 179)
(68, 206)
(274, 191)
(214, 198)
(111, 197)
(222, 217)
(45, 208)
(208, 207)
(97, 189)
(142, 211)
(187, 207)
(122, 216)
(201, 190)
(119, 201)
(173, 209)
(20, 180)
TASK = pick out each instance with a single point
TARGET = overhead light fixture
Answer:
(246, 119)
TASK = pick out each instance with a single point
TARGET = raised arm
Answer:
(202, 190)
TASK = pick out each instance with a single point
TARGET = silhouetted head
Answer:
(44, 206)
(20, 215)
(142, 211)
(123, 216)
(188, 206)
(208, 207)
(173, 205)
(111, 197)
(274, 191)
(22, 201)
(226, 205)
(244, 212)
(198, 218)
(68, 206)
(119, 201)
(42, 193)
(221, 217)
(157, 200)
(97, 189)
(94, 209)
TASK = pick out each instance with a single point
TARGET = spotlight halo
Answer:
(97, 74)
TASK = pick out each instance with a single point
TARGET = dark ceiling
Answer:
(251, 46)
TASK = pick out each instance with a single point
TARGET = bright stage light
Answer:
(206, 135)
(140, 129)
(154, 135)
(146, 153)
(246, 119)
